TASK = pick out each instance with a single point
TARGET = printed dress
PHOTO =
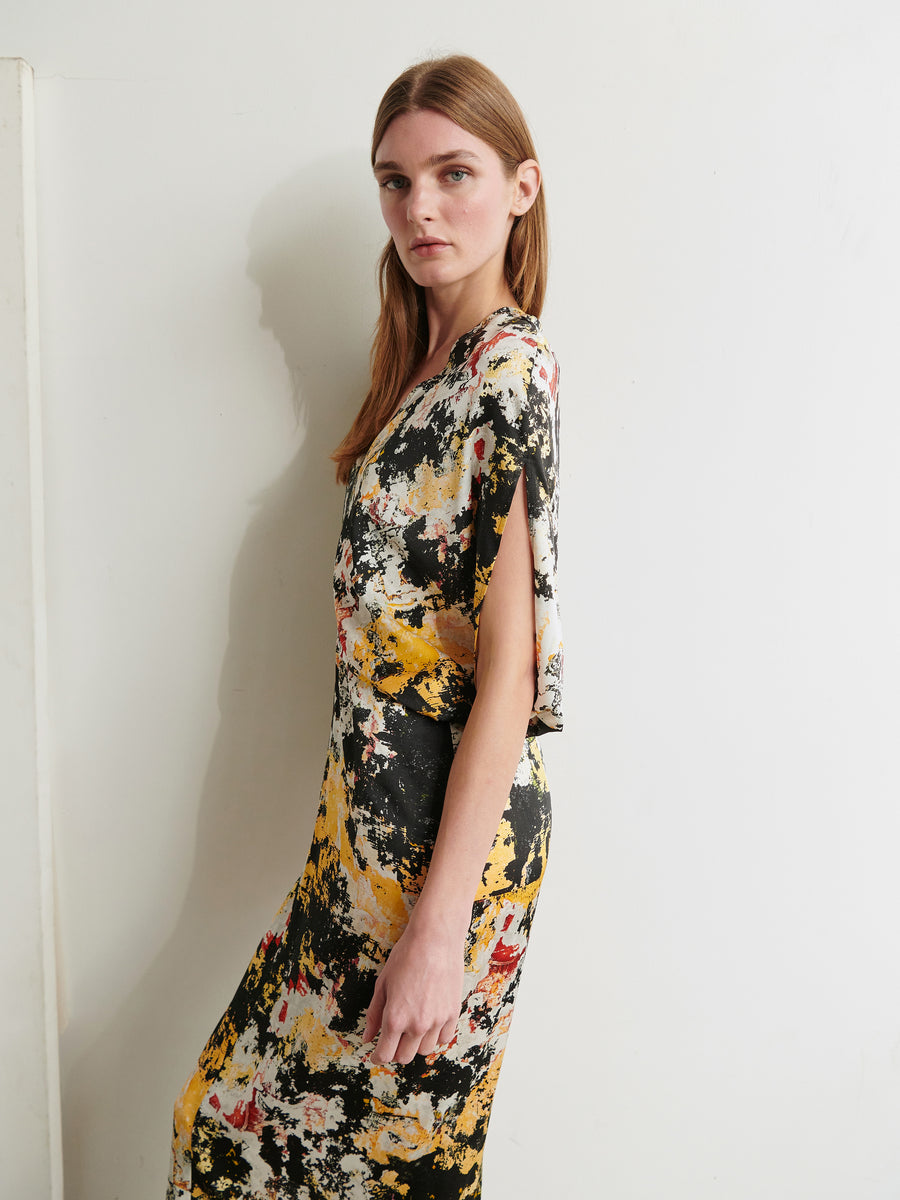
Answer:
(285, 1103)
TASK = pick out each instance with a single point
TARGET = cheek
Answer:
(389, 213)
(474, 215)
(485, 215)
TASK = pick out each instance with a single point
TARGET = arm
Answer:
(416, 998)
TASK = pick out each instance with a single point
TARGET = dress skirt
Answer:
(285, 1102)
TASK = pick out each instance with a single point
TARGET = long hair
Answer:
(472, 96)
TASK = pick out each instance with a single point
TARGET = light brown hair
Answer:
(472, 96)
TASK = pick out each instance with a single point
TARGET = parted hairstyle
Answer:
(472, 96)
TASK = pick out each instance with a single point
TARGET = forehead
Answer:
(413, 138)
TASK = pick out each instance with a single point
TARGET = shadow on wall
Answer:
(312, 253)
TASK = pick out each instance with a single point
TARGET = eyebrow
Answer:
(436, 160)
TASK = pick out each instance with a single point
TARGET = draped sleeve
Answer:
(513, 428)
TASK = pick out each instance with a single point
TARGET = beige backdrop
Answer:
(711, 1007)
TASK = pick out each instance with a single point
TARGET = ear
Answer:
(527, 186)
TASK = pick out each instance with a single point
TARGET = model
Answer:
(360, 1053)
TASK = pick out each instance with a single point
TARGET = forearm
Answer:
(416, 998)
(477, 793)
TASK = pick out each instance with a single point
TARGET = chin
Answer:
(429, 277)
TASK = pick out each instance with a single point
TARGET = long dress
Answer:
(286, 1102)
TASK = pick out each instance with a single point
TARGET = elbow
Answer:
(526, 681)
(512, 675)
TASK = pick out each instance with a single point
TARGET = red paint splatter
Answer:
(237, 1116)
(300, 985)
(246, 1115)
(505, 959)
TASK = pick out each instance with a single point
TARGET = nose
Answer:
(419, 202)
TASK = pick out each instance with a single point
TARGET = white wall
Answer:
(712, 1004)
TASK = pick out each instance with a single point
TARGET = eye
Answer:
(457, 175)
(392, 183)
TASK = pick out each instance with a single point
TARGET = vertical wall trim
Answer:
(39, 594)
(30, 1107)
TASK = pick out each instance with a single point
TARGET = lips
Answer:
(427, 247)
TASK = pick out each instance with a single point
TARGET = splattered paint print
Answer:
(285, 1103)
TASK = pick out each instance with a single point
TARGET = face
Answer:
(447, 201)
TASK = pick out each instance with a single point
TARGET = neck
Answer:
(450, 316)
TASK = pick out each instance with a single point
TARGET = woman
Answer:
(360, 1053)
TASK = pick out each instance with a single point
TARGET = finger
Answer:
(386, 1046)
(430, 1041)
(406, 1048)
(448, 1031)
(374, 1014)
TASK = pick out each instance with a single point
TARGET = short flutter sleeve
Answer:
(513, 428)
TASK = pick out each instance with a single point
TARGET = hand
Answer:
(417, 998)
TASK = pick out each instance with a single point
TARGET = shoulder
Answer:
(509, 342)
(512, 366)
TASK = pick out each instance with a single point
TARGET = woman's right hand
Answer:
(416, 1003)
